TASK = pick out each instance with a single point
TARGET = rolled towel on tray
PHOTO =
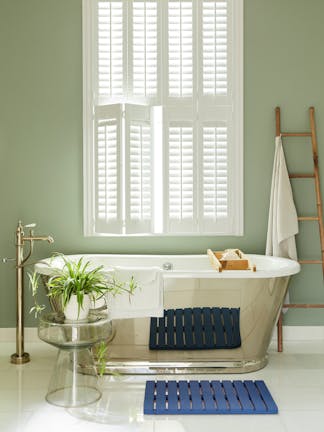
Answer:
(230, 254)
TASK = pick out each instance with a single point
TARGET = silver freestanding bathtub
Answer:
(191, 282)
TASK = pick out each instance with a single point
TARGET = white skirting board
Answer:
(290, 333)
(300, 333)
(9, 334)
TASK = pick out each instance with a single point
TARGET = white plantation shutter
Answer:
(111, 53)
(180, 172)
(215, 172)
(180, 177)
(108, 212)
(144, 49)
(216, 210)
(214, 48)
(219, 171)
(139, 173)
(219, 123)
(180, 48)
(163, 116)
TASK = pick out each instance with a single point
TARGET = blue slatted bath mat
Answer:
(196, 328)
(208, 397)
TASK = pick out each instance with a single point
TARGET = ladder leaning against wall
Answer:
(317, 218)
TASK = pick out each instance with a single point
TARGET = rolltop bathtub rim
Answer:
(266, 266)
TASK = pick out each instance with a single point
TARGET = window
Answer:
(163, 117)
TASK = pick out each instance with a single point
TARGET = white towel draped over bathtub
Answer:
(282, 222)
(147, 300)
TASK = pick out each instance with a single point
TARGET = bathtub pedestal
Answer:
(210, 367)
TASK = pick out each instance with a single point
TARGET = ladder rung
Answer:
(308, 218)
(296, 134)
(310, 262)
(304, 305)
(301, 175)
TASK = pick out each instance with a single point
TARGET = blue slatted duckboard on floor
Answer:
(208, 397)
(196, 328)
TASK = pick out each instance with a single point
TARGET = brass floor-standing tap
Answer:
(20, 356)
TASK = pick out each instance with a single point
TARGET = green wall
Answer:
(41, 134)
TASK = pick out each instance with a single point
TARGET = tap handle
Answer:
(6, 259)
(32, 225)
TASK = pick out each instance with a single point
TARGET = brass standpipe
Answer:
(20, 356)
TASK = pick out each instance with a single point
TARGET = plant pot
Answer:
(72, 311)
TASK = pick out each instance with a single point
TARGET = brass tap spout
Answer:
(49, 239)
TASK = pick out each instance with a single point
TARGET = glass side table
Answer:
(74, 378)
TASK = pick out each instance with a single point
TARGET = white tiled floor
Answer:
(295, 379)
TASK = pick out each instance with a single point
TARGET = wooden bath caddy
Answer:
(219, 264)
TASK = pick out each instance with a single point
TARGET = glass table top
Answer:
(56, 330)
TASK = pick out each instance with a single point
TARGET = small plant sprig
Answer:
(34, 283)
(101, 357)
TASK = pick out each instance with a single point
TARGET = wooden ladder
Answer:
(318, 218)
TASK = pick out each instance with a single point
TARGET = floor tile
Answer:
(303, 420)
(294, 377)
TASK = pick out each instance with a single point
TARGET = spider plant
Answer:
(79, 279)
(34, 283)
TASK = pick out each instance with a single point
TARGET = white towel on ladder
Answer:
(282, 222)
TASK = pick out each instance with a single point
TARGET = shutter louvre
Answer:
(215, 172)
(180, 171)
(144, 49)
(108, 177)
(180, 48)
(139, 160)
(214, 38)
(215, 156)
(111, 49)
(214, 47)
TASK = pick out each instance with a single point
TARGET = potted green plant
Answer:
(76, 285)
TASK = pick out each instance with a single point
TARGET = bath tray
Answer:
(196, 329)
(241, 263)
(208, 397)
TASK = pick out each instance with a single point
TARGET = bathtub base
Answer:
(177, 368)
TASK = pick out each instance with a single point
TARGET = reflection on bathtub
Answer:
(196, 329)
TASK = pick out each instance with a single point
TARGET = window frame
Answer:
(89, 30)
